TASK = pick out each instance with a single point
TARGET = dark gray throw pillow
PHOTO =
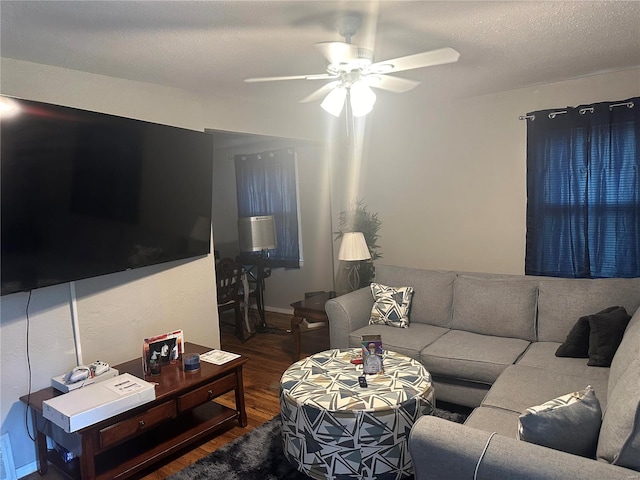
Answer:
(605, 335)
(570, 423)
(576, 344)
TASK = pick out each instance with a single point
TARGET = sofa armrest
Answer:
(443, 450)
(348, 313)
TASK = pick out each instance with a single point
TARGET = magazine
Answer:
(218, 357)
(372, 354)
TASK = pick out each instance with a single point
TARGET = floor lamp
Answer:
(258, 234)
(353, 249)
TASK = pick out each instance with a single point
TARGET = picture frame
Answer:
(161, 350)
(372, 354)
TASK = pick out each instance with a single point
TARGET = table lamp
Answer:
(353, 249)
(258, 234)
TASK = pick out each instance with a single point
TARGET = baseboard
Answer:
(27, 469)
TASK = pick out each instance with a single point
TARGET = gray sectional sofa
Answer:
(489, 342)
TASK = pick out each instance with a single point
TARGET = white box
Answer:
(58, 382)
(94, 403)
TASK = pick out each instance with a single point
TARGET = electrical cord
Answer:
(26, 410)
(475, 473)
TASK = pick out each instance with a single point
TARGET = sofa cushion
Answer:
(541, 355)
(494, 419)
(569, 423)
(619, 441)
(605, 335)
(433, 292)
(499, 307)
(519, 387)
(628, 350)
(407, 342)
(460, 392)
(391, 305)
(471, 356)
(563, 300)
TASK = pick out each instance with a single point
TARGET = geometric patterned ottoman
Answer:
(334, 429)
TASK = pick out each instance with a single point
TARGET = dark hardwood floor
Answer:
(269, 353)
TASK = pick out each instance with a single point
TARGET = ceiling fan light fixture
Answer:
(334, 101)
(362, 98)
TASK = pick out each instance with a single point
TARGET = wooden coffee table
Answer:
(311, 308)
(183, 412)
(334, 429)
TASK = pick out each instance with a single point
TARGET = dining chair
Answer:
(228, 284)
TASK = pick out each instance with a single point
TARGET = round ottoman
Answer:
(332, 428)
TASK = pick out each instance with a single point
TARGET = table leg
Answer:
(295, 330)
(87, 459)
(41, 446)
(260, 304)
(41, 443)
(240, 405)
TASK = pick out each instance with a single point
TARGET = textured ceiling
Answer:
(210, 47)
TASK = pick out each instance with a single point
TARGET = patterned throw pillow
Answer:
(570, 423)
(391, 305)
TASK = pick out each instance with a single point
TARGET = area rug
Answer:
(258, 456)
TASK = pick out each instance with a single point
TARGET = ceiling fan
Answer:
(352, 72)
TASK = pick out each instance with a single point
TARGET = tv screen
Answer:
(86, 194)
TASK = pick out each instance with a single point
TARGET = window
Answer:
(583, 191)
(266, 184)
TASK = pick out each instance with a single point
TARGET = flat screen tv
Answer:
(86, 194)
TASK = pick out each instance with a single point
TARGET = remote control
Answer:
(98, 368)
(362, 381)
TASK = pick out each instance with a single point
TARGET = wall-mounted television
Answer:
(86, 194)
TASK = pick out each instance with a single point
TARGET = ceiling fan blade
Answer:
(418, 60)
(320, 93)
(390, 83)
(272, 79)
(338, 52)
(319, 76)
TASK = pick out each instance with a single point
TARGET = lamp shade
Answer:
(334, 101)
(362, 98)
(257, 233)
(353, 247)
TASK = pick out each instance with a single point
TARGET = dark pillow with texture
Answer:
(576, 344)
(570, 423)
(606, 332)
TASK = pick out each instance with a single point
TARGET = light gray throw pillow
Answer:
(570, 423)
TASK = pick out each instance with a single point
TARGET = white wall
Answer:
(448, 179)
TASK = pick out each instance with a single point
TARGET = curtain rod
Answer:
(582, 111)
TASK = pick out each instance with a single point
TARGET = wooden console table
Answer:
(182, 413)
